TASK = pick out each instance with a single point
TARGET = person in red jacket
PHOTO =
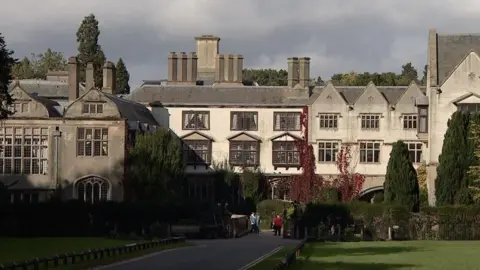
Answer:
(277, 225)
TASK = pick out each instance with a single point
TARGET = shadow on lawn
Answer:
(331, 250)
(300, 264)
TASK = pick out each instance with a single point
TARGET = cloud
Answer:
(339, 36)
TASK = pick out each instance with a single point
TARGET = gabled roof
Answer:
(463, 97)
(246, 134)
(49, 104)
(132, 111)
(199, 133)
(452, 50)
(285, 134)
(46, 89)
(382, 95)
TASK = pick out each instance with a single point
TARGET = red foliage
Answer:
(308, 186)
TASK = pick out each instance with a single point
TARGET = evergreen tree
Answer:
(89, 50)
(454, 162)
(122, 77)
(7, 63)
(401, 183)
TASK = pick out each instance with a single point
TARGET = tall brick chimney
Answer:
(304, 74)
(109, 78)
(207, 49)
(228, 69)
(89, 76)
(293, 72)
(172, 67)
(182, 68)
(237, 68)
(432, 70)
(220, 68)
(192, 66)
(73, 79)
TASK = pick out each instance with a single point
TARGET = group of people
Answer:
(277, 224)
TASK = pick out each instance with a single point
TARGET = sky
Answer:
(339, 36)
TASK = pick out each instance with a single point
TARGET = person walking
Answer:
(277, 225)
(253, 222)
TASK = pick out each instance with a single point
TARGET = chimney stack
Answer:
(304, 74)
(182, 68)
(109, 78)
(89, 76)
(238, 68)
(228, 62)
(293, 72)
(192, 61)
(207, 50)
(432, 69)
(219, 68)
(73, 79)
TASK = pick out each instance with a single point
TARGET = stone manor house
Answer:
(71, 134)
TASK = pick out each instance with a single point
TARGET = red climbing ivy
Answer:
(309, 186)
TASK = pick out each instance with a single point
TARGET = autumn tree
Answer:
(457, 155)
(88, 48)
(123, 77)
(401, 183)
(156, 167)
(23, 70)
(7, 62)
(422, 183)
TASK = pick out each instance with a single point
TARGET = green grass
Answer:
(21, 249)
(271, 261)
(390, 255)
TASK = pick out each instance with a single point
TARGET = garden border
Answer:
(291, 257)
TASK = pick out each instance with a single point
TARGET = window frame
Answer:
(81, 142)
(242, 152)
(375, 152)
(415, 151)
(277, 164)
(92, 107)
(410, 121)
(324, 118)
(244, 115)
(196, 113)
(333, 151)
(370, 118)
(294, 115)
(187, 150)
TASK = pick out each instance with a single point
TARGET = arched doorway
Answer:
(92, 189)
(369, 193)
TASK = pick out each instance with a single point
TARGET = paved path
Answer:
(223, 254)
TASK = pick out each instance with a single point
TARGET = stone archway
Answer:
(369, 193)
(92, 189)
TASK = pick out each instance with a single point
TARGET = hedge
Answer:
(76, 218)
(442, 223)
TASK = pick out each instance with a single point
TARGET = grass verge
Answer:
(271, 261)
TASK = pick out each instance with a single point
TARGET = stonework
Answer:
(223, 121)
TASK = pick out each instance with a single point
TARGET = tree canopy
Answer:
(401, 183)
(155, 166)
(7, 62)
(89, 50)
(38, 65)
(123, 77)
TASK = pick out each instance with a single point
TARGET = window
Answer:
(423, 119)
(247, 121)
(415, 150)
(369, 152)
(24, 197)
(244, 153)
(196, 120)
(197, 151)
(91, 107)
(19, 107)
(287, 121)
(285, 154)
(328, 120)
(92, 142)
(410, 121)
(469, 107)
(92, 189)
(23, 150)
(370, 121)
(327, 151)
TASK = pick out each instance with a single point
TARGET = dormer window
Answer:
(92, 108)
(19, 107)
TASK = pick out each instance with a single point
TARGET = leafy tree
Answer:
(156, 168)
(269, 77)
(474, 170)
(319, 82)
(122, 77)
(88, 48)
(422, 182)
(6, 65)
(409, 74)
(254, 185)
(454, 161)
(424, 78)
(401, 183)
(23, 70)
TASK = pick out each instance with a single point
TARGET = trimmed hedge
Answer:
(76, 218)
(442, 223)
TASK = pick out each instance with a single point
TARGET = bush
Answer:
(267, 209)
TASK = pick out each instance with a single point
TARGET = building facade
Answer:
(224, 121)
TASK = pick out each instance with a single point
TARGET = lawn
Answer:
(390, 255)
(21, 249)
(271, 261)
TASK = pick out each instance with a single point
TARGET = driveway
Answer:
(223, 254)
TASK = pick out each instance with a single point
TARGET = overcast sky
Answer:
(338, 35)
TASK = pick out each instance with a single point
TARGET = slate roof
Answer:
(46, 89)
(132, 111)
(248, 95)
(451, 50)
